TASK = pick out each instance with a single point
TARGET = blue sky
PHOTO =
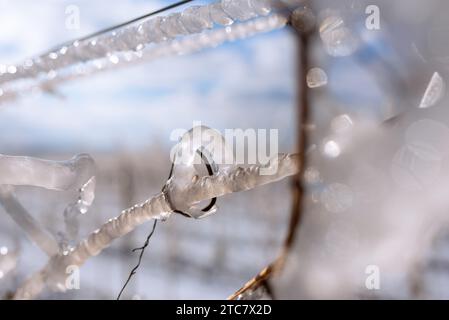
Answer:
(246, 84)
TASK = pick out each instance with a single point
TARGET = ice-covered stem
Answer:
(158, 207)
(75, 173)
(53, 274)
(241, 179)
(32, 228)
(52, 175)
(303, 21)
(114, 58)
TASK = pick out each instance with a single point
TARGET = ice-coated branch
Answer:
(21, 217)
(76, 173)
(134, 37)
(241, 179)
(53, 175)
(157, 207)
(162, 36)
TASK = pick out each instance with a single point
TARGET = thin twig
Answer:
(263, 277)
(142, 251)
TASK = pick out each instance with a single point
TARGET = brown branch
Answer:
(263, 277)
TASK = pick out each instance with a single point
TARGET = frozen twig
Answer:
(261, 280)
(158, 207)
(196, 28)
(32, 228)
(76, 173)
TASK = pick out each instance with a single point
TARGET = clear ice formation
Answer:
(337, 38)
(195, 28)
(194, 19)
(316, 77)
(187, 187)
(74, 174)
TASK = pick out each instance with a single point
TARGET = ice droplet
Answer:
(338, 40)
(316, 78)
(331, 149)
(12, 69)
(3, 251)
(434, 92)
(303, 19)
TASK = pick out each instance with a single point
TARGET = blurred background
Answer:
(377, 159)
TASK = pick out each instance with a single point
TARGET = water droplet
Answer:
(114, 59)
(316, 78)
(303, 19)
(4, 251)
(434, 92)
(338, 40)
(63, 50)
(331, 149)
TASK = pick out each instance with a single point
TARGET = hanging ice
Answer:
(74, 174)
